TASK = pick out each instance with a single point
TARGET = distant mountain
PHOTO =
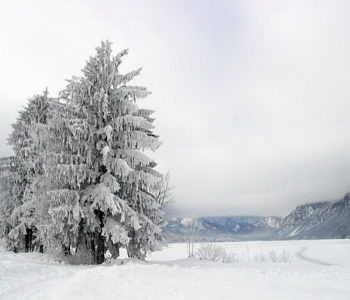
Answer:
(223, 228)
(320, 220)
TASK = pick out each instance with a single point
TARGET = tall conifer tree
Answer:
(104, 185)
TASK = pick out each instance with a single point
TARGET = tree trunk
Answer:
(113, 249)
(28, 240)
(134, 249)
(93, 249)
(66, 250)
(100, 240)
(100, 251)
(82, 244)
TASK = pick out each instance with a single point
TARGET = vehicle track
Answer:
(301, 255)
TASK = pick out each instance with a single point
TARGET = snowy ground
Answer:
(317, 270)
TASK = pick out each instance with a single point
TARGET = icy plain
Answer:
(318, 269)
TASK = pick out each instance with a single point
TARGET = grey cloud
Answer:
(251, 97)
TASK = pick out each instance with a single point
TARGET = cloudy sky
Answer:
(252, 98)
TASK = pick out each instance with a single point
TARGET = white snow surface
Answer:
(318, 269)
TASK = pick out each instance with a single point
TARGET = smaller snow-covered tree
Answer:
(65, 173)
(28, 140)
(164, 194)
(9, 196)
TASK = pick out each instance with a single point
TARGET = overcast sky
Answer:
(252, 98)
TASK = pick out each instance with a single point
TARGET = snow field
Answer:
(316, 270)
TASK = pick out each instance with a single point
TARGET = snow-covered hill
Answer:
(318, 220)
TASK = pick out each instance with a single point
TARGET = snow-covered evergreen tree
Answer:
(9, 196)
(104, 186)
(80, 178)
(28, 141)
(141, 186)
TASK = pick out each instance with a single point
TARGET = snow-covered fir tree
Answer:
(103, 185)
(80, 179)
(9, 196)
(25, 183)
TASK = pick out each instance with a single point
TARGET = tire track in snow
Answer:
(302, 256)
